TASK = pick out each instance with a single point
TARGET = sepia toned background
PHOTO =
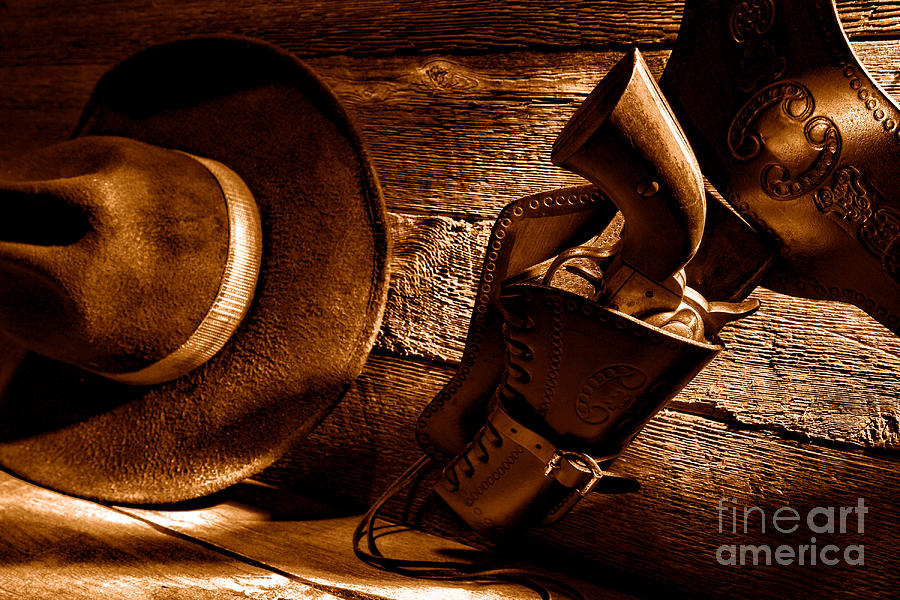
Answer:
(459, 104)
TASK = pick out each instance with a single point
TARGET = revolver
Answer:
(576, 342)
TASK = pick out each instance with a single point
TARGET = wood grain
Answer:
(464, 136)
(54, 546)
(459, 104)
(36, 32)
(668, 532)
(457, 136)
(265, 524)
(659, 538)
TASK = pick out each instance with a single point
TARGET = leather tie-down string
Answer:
(580, 354)
(545, 587)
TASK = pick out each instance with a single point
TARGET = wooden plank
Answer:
(819, 369)
(277, 528)
(464, 136)
(54, 546)
(663, 538)
(434, 272)
(669, 533)
(37, 32)
(445, 141)
(251, 541)
(456, 136)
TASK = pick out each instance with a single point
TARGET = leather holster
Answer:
(580, 381)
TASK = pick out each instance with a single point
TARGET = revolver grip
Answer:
(625, 139)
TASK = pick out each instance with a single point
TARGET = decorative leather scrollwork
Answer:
(806, 163)
(751, 18)
(854, 201)
(608, 391)
(750, 23)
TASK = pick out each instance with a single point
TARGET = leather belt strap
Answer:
(571, 469)
(511, 474)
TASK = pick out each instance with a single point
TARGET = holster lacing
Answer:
(517, 352)
(450, 472)
(579, 381)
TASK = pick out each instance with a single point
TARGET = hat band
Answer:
(235, 293)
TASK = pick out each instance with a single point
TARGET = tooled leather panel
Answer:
(595, 375)
(562, 218)
(796, 135)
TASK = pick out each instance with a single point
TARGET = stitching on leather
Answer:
(486, 483)
(555, 303)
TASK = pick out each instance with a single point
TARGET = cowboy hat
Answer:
(190, 283)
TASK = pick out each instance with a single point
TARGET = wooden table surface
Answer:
(459, 104)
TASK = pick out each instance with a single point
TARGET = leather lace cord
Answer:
(444, 570)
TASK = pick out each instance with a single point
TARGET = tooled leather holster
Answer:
(580, 381)
(568, 357)
(798, 137)
(564, 363)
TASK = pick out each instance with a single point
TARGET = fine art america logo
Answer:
(821, 520)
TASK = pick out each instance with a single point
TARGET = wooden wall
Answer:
(459, 103)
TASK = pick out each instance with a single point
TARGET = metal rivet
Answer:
(646, 188)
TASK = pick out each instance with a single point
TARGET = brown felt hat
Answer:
(190, 283)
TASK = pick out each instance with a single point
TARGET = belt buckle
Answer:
(581, 462)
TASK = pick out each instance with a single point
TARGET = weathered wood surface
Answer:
(277, 529)
(252, 541)
(38, 32)
(458, 136)
(661, 538)
(53, 546)
(459, 105)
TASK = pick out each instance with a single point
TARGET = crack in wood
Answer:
(735, 422)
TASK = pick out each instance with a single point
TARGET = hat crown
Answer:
(113, 253)
(304, 284)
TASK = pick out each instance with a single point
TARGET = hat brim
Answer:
(317, 308)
